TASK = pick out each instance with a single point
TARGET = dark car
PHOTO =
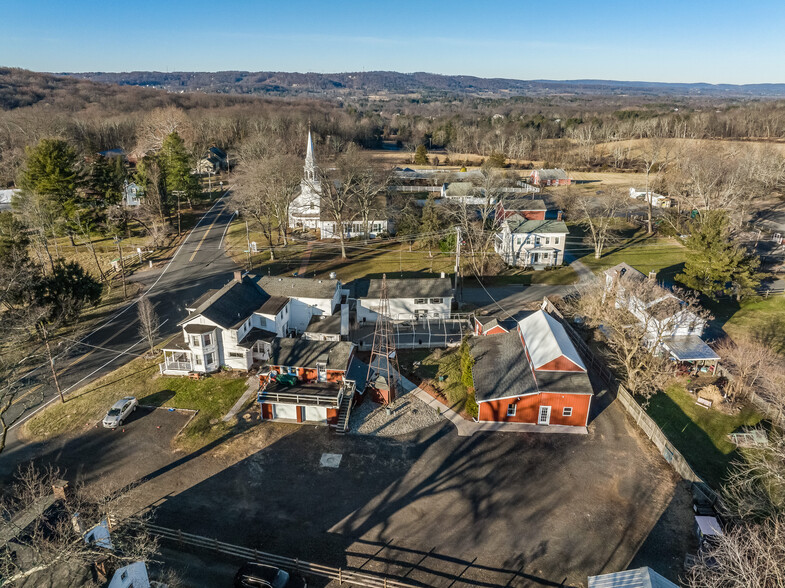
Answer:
(256, 575)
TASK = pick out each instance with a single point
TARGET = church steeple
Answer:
(310, 162)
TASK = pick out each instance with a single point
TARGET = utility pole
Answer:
(178, 193)
(45, 333)
(248, 244)
(122, 266)
(457, 256)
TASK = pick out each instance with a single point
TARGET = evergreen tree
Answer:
(432, 223)
(106, 179)
(716, 264)
(175, 163)
(51, 170)
(421, 155)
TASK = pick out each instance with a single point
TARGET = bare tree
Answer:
(148, 322)
(748, 554)
(160, 123)
(45, 534)
(368, 184)
(753, 364)
(598, 214)
(654, 157)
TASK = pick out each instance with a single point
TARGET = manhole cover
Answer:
(330, 460)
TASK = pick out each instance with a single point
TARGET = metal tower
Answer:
(383, 373)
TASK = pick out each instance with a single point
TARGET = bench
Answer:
(704, 402)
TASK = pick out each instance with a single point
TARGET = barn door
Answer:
(545, 415)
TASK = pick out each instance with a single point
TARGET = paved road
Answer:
(198, 264)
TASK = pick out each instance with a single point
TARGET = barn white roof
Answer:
(546, 340)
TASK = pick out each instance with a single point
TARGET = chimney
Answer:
(60, 489)
(653, 276)
(559, 214)
(238, 275)
(444, 275)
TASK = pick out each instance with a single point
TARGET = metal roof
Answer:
(639, 578)
(689, 348)
(547, 340)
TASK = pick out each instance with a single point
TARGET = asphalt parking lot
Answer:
(139, 448)
(491, 510)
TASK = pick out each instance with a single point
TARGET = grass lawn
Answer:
(700, 433)
(645, 253)
(441, 369)
(765, 317)
(212, 397)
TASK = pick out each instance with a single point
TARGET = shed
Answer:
(639, 578)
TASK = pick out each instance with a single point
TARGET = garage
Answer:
(285, 411)
(315, 413)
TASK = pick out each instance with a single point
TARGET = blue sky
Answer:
(669, 41)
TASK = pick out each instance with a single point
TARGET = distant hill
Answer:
(389, 83)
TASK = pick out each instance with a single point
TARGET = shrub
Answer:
(471, 406)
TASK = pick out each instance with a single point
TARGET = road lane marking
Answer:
(217, 216)
(226, 228)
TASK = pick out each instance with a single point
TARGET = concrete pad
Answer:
(330, 460)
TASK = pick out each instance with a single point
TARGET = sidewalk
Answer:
(252, 386)
(468, 428)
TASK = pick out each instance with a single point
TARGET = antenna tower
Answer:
(384, 357)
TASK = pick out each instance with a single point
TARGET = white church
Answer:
(306, 211)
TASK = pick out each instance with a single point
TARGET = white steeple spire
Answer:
(310, 162)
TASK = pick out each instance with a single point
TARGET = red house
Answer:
(524, 207)
(531, 375)
(550, 177)
(306, 381)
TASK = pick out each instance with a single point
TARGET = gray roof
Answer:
(197, 329)
(625, 272)
(273, 305)
(561, 382)
(500, 367)
(254, 335)
(523, 204)
(639, 578)
(552, 174)
(231, 305)
(303, 353)
(299, 287)
(410, 288)
(518, 224)
(461, 189)
(689, 348)
(329, 324)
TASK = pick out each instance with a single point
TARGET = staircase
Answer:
(344, 411)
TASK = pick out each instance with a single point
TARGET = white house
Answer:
(237, 325)
(306, 210)
(524, 242)
(409, 299)
(132, 194)
(656, 199)
(668, 322)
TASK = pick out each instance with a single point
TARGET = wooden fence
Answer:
(638, 414)
(343, 576)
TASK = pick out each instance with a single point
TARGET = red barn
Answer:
(531, 375)
(524, 207)
(491, 325)
(550, 177)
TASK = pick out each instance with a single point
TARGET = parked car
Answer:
(256, 575)
(119, 412)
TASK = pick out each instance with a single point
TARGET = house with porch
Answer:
(236, 326)
(532, 374)
(306, 381)
(669, 323)
(523, 242)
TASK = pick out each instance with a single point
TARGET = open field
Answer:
(212, 397)
(700, 434)
(636, 146)
(762, 318)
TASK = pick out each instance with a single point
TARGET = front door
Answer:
(545, 415)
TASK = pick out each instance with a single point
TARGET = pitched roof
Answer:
(547, 340)
(254, 335)
(408, 288)
(273, 305)
(523, 204)
(561, 382)
(518, 224)
(303, 353)
(639, 578)
(552, 174)
(230, 305)
(460, 189)
(296, 287)
(500, 367)
(624, 271)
